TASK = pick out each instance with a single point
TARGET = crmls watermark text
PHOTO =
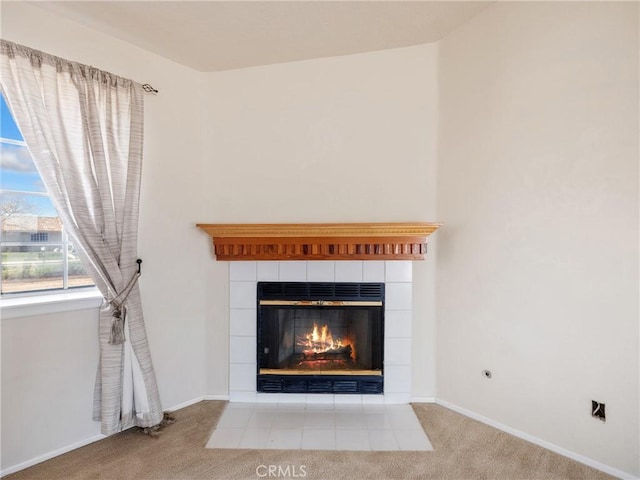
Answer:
(281, 471)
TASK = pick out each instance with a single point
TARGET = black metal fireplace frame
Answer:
(318, 292)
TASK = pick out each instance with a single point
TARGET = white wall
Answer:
(538, 185)
(173, 283)
(48, 373)
(343, 139)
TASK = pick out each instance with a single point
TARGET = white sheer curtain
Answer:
(84, 129)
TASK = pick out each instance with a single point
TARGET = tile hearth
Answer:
(293, 426)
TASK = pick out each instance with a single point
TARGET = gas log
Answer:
(341, 353)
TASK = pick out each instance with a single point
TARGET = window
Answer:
(36, 254)
(40, 237)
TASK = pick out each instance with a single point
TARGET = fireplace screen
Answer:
(320, 337)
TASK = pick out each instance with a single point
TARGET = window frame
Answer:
(27, 304)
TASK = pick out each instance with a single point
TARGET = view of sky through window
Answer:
(9, 129)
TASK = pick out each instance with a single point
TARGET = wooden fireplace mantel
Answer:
(320, 241)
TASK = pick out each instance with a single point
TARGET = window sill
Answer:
(29, 306)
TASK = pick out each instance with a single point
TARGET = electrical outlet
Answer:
(597, 410)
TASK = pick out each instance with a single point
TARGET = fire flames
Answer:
(320, 340)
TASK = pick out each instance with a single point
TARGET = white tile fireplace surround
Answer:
(397, 276)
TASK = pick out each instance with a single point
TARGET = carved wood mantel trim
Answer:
(320, 241)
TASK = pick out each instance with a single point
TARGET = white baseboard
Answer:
(193, 401)
(423, 400)
(216, 397)
(543, 443)
(50, 455)
(188, 403)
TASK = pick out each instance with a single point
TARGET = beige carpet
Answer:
(463, 449)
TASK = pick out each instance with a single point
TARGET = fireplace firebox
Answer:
(320, 337)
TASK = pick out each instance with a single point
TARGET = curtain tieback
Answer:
(120, 312)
